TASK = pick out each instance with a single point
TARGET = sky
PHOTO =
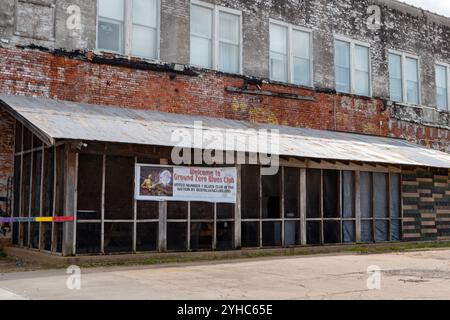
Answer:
(439, 6)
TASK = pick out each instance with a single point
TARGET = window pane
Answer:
(441, 87)
(110, 35)
(278, 39)
(442, 98)
(300, 44)
(112, 9)
(229, 28)
(201, 36)
(144, 42)
(362, 75)
(412, 77)
(278, 67)
(145, 13)
(201, 53)
(302, 71)
(201, 21)
(342, 57)
(229, 42)
(229, 58)
(278, 53)
(395, 77)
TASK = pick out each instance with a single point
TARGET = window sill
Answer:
(102, 52)
(416, 106)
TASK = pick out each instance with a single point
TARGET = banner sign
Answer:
(169, 183)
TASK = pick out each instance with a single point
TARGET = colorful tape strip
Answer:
(37, 219)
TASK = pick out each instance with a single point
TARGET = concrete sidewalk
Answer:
(412, 275)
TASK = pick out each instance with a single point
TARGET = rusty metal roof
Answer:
(53, 120)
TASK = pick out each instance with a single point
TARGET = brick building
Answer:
(373, 73)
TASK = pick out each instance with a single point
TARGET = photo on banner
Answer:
(171, 183)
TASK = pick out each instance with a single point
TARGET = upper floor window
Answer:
(290, 54)
(129, 27)
(404, 78)
(352, 67)
(215, 37)
(442, 92)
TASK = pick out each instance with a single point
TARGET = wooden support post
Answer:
(358, 205)
(303, 207)
(237, 209)
(162, 238)
(102, 218)
(69, 195)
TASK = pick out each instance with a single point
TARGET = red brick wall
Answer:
(39, 73)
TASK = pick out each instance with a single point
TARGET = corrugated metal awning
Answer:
(52, 120)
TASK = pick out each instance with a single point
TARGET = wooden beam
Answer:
(69, 195)
(238, 209)
(358, 205)
(303, 206)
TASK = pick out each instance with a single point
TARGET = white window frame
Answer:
(128, 31)
(403, 55)
(215, 32)
(353, 43)
(290, 52)
(447, 67)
